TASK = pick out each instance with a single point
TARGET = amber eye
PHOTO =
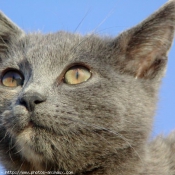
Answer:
(77, 74)
(12, 78)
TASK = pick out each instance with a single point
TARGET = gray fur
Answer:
(101, 126)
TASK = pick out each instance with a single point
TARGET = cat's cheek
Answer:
(15, 120)
(6, 97)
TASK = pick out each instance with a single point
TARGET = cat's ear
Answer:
(9, 32)
(146, 46)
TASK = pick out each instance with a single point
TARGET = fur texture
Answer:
(101, 126)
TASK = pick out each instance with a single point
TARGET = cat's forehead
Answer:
(58, 48)
(51, 39)
(50, 46)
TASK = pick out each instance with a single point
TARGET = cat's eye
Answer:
(12, 78)
(77, 75)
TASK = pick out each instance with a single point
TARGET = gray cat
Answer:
(84, 104)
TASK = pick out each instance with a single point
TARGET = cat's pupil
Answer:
(77, 74)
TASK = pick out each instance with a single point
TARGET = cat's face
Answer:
(69, 101)
(50, 119)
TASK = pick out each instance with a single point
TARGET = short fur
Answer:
(101, 126)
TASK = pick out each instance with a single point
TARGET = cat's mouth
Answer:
(31, 124)
(19, 119)
(35, 127)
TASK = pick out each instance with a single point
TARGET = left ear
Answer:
(9, 32)
(147, 45)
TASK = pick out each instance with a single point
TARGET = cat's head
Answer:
(70, 101)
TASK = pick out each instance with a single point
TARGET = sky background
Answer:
(105, 17)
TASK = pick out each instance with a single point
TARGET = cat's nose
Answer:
(30, 100)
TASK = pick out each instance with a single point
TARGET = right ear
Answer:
(146, 45)
(9, 33)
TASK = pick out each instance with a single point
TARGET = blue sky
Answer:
(106, 17)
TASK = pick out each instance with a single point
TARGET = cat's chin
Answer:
(23, 131)
(28, 145)
(24, 147)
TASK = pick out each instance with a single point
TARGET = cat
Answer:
(84, 105)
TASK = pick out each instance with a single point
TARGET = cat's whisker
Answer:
(77, 45)
(11, 131)
(10, 152)
(107, 16)
(7, 132)
(109, 131)
(4, 137)
(11, 157)
(112, 27)
(19, 150)
(19, 170)
(12, 147)
(82, 20)
(122, 137)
